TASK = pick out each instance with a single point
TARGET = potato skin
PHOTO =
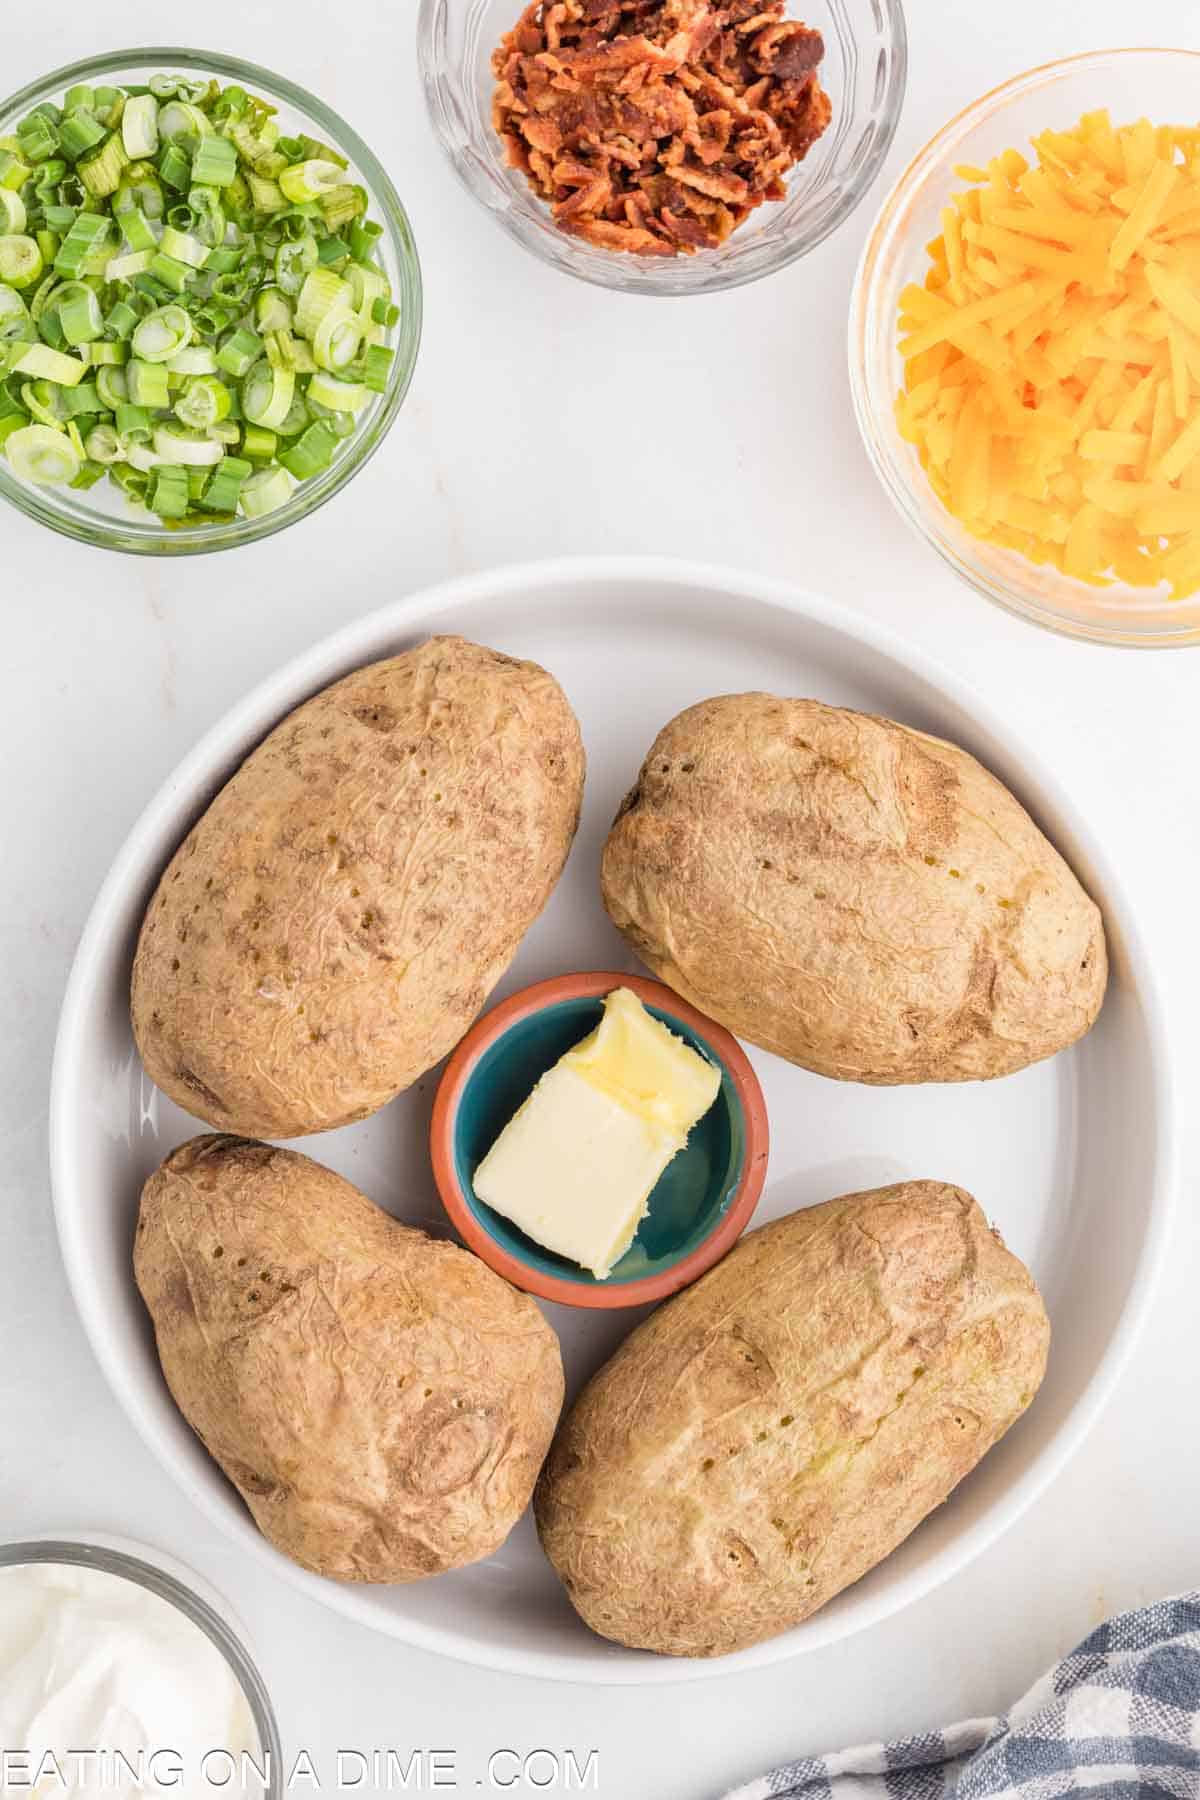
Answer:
(382, 1401)
(771, 1433)
(860, 898)
(338, 917)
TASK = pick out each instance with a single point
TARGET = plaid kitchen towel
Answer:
(1118, 1719)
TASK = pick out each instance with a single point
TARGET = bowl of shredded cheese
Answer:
(1025, 345)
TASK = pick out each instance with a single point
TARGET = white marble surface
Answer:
(112, 667)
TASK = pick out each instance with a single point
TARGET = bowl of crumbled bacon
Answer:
(665, 146)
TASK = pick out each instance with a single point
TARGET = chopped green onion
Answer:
(78, 132)
(147, 384)
(309, 180)
(215, 162)
(287, 352)
(337, 339)
(231, 103)
(174, 445)
(173, 274)
(175, 168)
(338, 395)
(103, 445)
(102, 351)
(384, 313)
(259, 444)
(142, 455)
(240, 352)
(196, 359)
(138, 234)
(80, 399)
(265, 491)
(293, 262)
(41, 454)
(14, 171)
(224, 486)
(272, 310)
(140, 191)
(312, 451)
(332, 250)
(162, 334)
(266, 195)
(13, 216)
(120, 320)
(87, 235)
(183, 247)
(109, 105)
(37, 137)
(367, 284)
(267, 395)
(124, 268)
(89, 474)
(296, 418)
(13, 312)
(112, 387)
(42, 363)
(101, 170)
(129, 479)
(42, 400)
(180, 122)
(81, 95)
(133, 423)
(78, 313)
(20, 260)
(364, 235)
(139, 127)
(377, 368)
(320, 293)
(342, 204)
(169, 496)
(204, 402)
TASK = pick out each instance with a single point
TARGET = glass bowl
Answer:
(102, 515)
(863, 72)
(1162, 85)
(184, 1590)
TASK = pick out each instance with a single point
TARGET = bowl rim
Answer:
(729, 1224)
(360, 640)
(116, 533)
(899, 490)
(616, 273)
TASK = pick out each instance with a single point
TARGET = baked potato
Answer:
(856, 896)
(337, 918)
(771, 1433)
(382, 1401)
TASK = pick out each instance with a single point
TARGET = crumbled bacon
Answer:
(657, 126)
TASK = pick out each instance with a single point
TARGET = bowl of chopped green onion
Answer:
(210, 302)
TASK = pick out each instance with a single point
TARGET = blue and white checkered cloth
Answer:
(1119, 1719)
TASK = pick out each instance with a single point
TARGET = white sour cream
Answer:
(94, 1662)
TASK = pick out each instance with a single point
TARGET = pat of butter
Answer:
(574, 1167)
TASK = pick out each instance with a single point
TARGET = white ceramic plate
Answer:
(1072, 1159)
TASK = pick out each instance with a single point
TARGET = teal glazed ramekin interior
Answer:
(690, 1197)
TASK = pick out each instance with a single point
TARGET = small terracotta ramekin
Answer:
(702, 1203)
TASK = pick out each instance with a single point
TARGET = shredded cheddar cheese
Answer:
(1052, 357)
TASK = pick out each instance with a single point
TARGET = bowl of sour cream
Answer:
(120, 1672)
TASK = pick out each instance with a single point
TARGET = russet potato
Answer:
(381, 1400)
(856, 896)
(337, 918)
(771, 1433)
